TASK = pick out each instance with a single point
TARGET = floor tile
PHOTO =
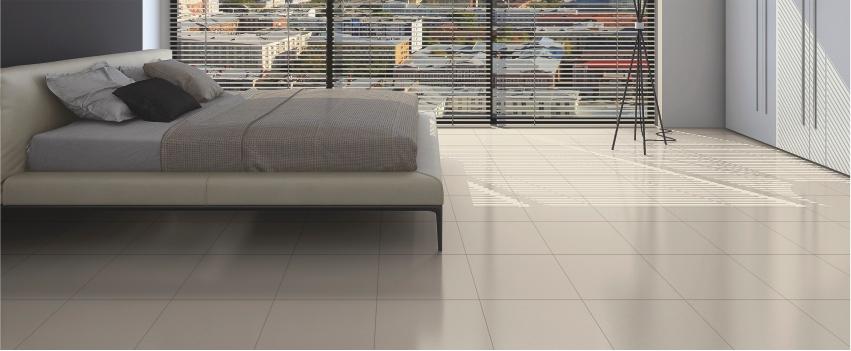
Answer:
(425, 277)
(330, 277)
(520, 277)
(746, 238)
(664, 238)
(208, 324)
(271, 216)
(798, 276)
(502, 238)
(140, 277)
(51, 276)
(654, 324)
(344, 216)
(710, 277)
(96, 324)
(8, 261)
(340, 237)
(196, 216)
(781, 213)
(258, 237)
(327, 324)
(27, 237)
(495, 208)
(235, 277)
(542, 324)
(583, 238)
(95, 238)
(467, 185)
(831, 314)
(635, 214)
(419, 238)
(431, 324)
(717, 213)
(766, 324)
(20, 318)
(580, 212)
(615, 277)
(177, 237)
(840, 262)
(817, 237)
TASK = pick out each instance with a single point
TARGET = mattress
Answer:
(94, 146)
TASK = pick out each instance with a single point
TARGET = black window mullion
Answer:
(329, 44)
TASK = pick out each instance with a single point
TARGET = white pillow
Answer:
(88, 93)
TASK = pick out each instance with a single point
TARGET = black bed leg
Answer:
(438, 214)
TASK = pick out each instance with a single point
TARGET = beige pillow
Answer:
(190, 79)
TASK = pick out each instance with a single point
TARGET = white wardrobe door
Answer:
(793, 105)
(831, 94)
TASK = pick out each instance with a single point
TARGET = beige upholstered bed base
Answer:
(28, 108)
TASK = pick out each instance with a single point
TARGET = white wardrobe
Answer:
(788, 76)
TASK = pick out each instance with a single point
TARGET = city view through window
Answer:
(524, 61)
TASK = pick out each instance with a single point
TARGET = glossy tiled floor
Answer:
(551, 241)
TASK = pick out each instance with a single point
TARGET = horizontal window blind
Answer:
(507, 61)
(270, 44)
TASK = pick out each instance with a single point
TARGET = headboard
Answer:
(27, 107)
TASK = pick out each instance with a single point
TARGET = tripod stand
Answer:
(642, 87)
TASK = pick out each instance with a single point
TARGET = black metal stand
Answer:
(643, 87)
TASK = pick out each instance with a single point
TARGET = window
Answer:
(505, 61)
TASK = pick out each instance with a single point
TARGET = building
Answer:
(253, 51)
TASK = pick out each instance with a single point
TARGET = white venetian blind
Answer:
(565, 60)
(510, 61)
(269, 44)
(438, 49)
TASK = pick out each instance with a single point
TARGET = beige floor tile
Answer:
(11, 261)
(781, 213)
(559, 213)
(542, 324)
(327, 324)
(235, 277)
(832, 314)
(636, 214)
(710, 277)
(746, 238)
(654, 324)
(503, 139)
(716, 214)
(140, 277)
(496, 208)
(425, 277)
(615, 277)
(330, 277)
(474, 185)
(258, 238)
(817, 237)
(798, 276)
(766, 324)
(208, 324)
(463, 140)
(27, 237)
(177, 237)
(51, 276)
(520, 277)
(583, 238)
(340, 238)
(96, 324)
(431, 324)
(94, 238)
(840, 262)
(20, 318)
(419, 238)
(502, 238)
(664, 238)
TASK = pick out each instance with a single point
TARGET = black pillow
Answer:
(156, 100)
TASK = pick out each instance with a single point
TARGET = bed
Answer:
(52, 159)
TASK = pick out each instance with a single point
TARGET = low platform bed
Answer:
(29, 109)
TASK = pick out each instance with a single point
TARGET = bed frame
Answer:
(28, 108)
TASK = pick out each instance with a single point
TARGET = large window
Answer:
(504, 61)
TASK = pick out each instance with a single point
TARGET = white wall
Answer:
(691, 63)
(155, 24)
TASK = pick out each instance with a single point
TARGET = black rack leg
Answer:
(438, 214)
(623, 98)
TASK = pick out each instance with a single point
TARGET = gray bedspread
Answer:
(299, 130)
